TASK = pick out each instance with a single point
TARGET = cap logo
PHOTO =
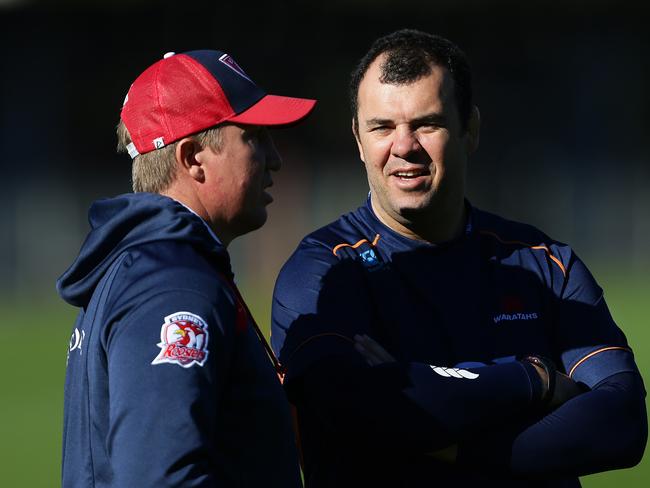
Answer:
(158, 142)
(228, 61)
(183, 340)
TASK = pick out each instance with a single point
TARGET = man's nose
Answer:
(273, 158)
(405, 142)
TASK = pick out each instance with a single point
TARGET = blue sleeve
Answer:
(413, 407)
(164, 395)
(320, 303)
(600, 430)
(590, 345)
(603, 429)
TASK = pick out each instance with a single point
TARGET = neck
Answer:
(191, 201)
(434, 226)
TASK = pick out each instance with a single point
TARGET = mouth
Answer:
(411, 179)
(410, 174)
(267, 183)
(267, 195)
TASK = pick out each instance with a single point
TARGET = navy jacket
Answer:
(166, 383)
(456, 316)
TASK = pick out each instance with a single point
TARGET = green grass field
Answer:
(33, 366)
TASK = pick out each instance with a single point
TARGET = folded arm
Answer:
(602, 429)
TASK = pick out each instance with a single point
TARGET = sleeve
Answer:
(590, 345)
(319, 304)
(603, 429)
(414, 407)
(167, 365)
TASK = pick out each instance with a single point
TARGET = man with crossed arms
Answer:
(420, 334)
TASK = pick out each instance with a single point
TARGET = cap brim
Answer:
(275, 110)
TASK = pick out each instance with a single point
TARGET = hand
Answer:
(446, 455)
(372, 352)
(565, 387)
(565, 390)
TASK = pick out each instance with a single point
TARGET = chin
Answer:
(257, 221)
(410, 214)
(415, 205)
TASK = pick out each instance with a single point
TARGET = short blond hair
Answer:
(155, 171)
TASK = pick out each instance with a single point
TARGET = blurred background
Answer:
(563, 93)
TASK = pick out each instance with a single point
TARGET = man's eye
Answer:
(380, 128)
(429, 126)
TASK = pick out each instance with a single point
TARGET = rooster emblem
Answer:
(183, 340)
(188, 334)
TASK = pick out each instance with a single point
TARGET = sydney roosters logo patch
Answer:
(183, 340)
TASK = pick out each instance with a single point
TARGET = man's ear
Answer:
(355, 131)
(473, 130)
(188, 158)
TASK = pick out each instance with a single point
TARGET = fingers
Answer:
(372, 351)
(447, 455)
(375, 348)
(370, 358)
(367, 354)
(565, 390)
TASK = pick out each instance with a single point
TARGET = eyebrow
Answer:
(376, 121)
(433, 118)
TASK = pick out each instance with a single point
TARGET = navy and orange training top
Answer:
(456, 316)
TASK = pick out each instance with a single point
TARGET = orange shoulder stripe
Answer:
(357, 244)
(544, 248)
(592, 354)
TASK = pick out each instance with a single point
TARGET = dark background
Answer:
(563, 93)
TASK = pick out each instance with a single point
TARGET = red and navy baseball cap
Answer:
(186, 93)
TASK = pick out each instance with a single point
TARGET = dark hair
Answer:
(410, 56)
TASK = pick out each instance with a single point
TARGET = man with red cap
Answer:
(168, 381)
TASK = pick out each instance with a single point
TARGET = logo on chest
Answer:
(513, 308)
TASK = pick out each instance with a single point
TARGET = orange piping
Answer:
(354, 246)
(544, 248)
(592, 354)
